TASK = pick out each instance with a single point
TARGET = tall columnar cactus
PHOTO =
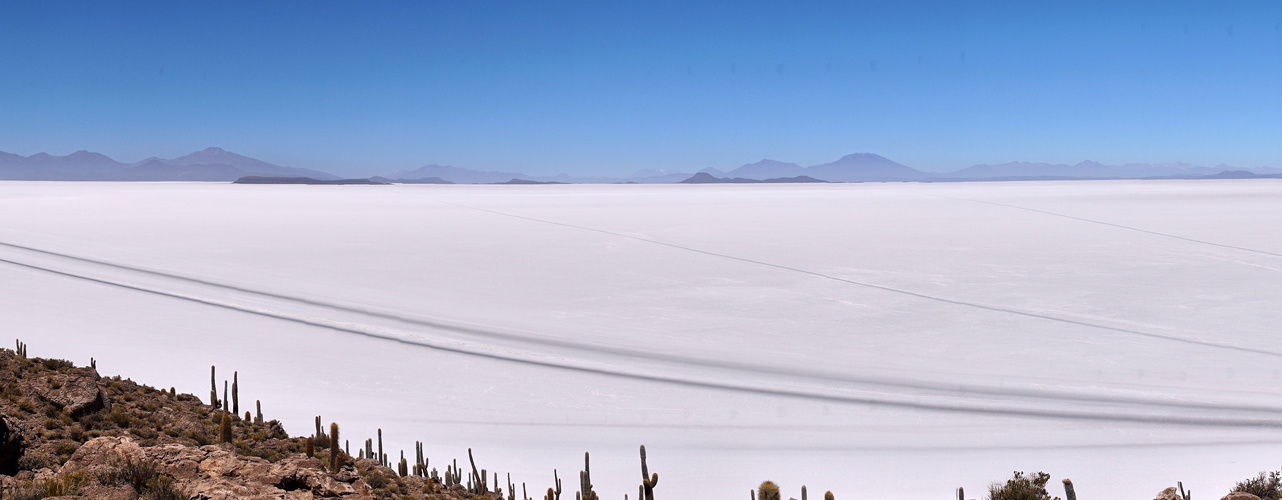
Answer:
(224, 429)
(93, 363)
(403, 467)
(382, 457)
(20, 348)
(648, 480)
(333, 447)
(961, 494)
(310, 447)
(258, 418)
(1069, 494)
(768, 491)
(235, 393)
(225, 389)
(558, 487)
(585, 481)
(213, 389)
(317, 434)
(1186, 495)
(803, 492)
(475, 473)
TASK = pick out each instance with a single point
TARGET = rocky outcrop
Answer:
(10, 445)
(75, 391)
(117, 467)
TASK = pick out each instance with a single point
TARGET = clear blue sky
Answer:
(613, 87)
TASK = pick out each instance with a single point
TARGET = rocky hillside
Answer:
(68, 432)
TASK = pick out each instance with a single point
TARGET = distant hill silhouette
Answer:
(706, 178)
(211, 164)
(858, 167)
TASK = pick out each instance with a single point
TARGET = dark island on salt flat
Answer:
(254, 179)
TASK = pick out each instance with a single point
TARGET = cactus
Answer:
(1186, 495)
(347, 448)
(258, 418)
(235, 393)
(93, 363)
(225, 389)
(828, 495)
(213, 389)
(20, 348)
(585, 481)
(317, 434)
(768, 491)
(224, 430)
(333, 447)
(246, 416)
(310, 447)
(648, 480)
(475, 473)
(803, 492)
(382, 458)
(403, 467)
(558, 486)
(961, 494)
(1069, 494)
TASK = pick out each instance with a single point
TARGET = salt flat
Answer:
(880, 340)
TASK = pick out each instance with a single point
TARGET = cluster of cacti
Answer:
(420, 461)
(554, 494)
(1186, 495)
(648, 480)
(585, 482)
(20, 348)
(402, 467)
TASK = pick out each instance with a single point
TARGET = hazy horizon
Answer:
(608, 89)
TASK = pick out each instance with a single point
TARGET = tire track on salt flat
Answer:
(900, 291)
(996, 411)
(813, 376)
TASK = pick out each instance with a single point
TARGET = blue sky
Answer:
(612, 87)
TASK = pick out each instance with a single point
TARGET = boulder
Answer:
(76, 393)
(1168, 494)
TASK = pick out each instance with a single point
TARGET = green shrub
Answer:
(65, 485)
(56, 364)
(123, 470)
(162, 487)
(1022, 487)
(1267, 486)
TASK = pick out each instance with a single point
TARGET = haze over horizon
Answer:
(606, 90)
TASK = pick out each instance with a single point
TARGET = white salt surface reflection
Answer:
(876, 340)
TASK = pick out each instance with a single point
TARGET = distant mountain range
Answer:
(215, 164)
(212, 164)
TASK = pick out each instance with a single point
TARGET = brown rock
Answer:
(1168, 494)
(100, 454)
(76, 393)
